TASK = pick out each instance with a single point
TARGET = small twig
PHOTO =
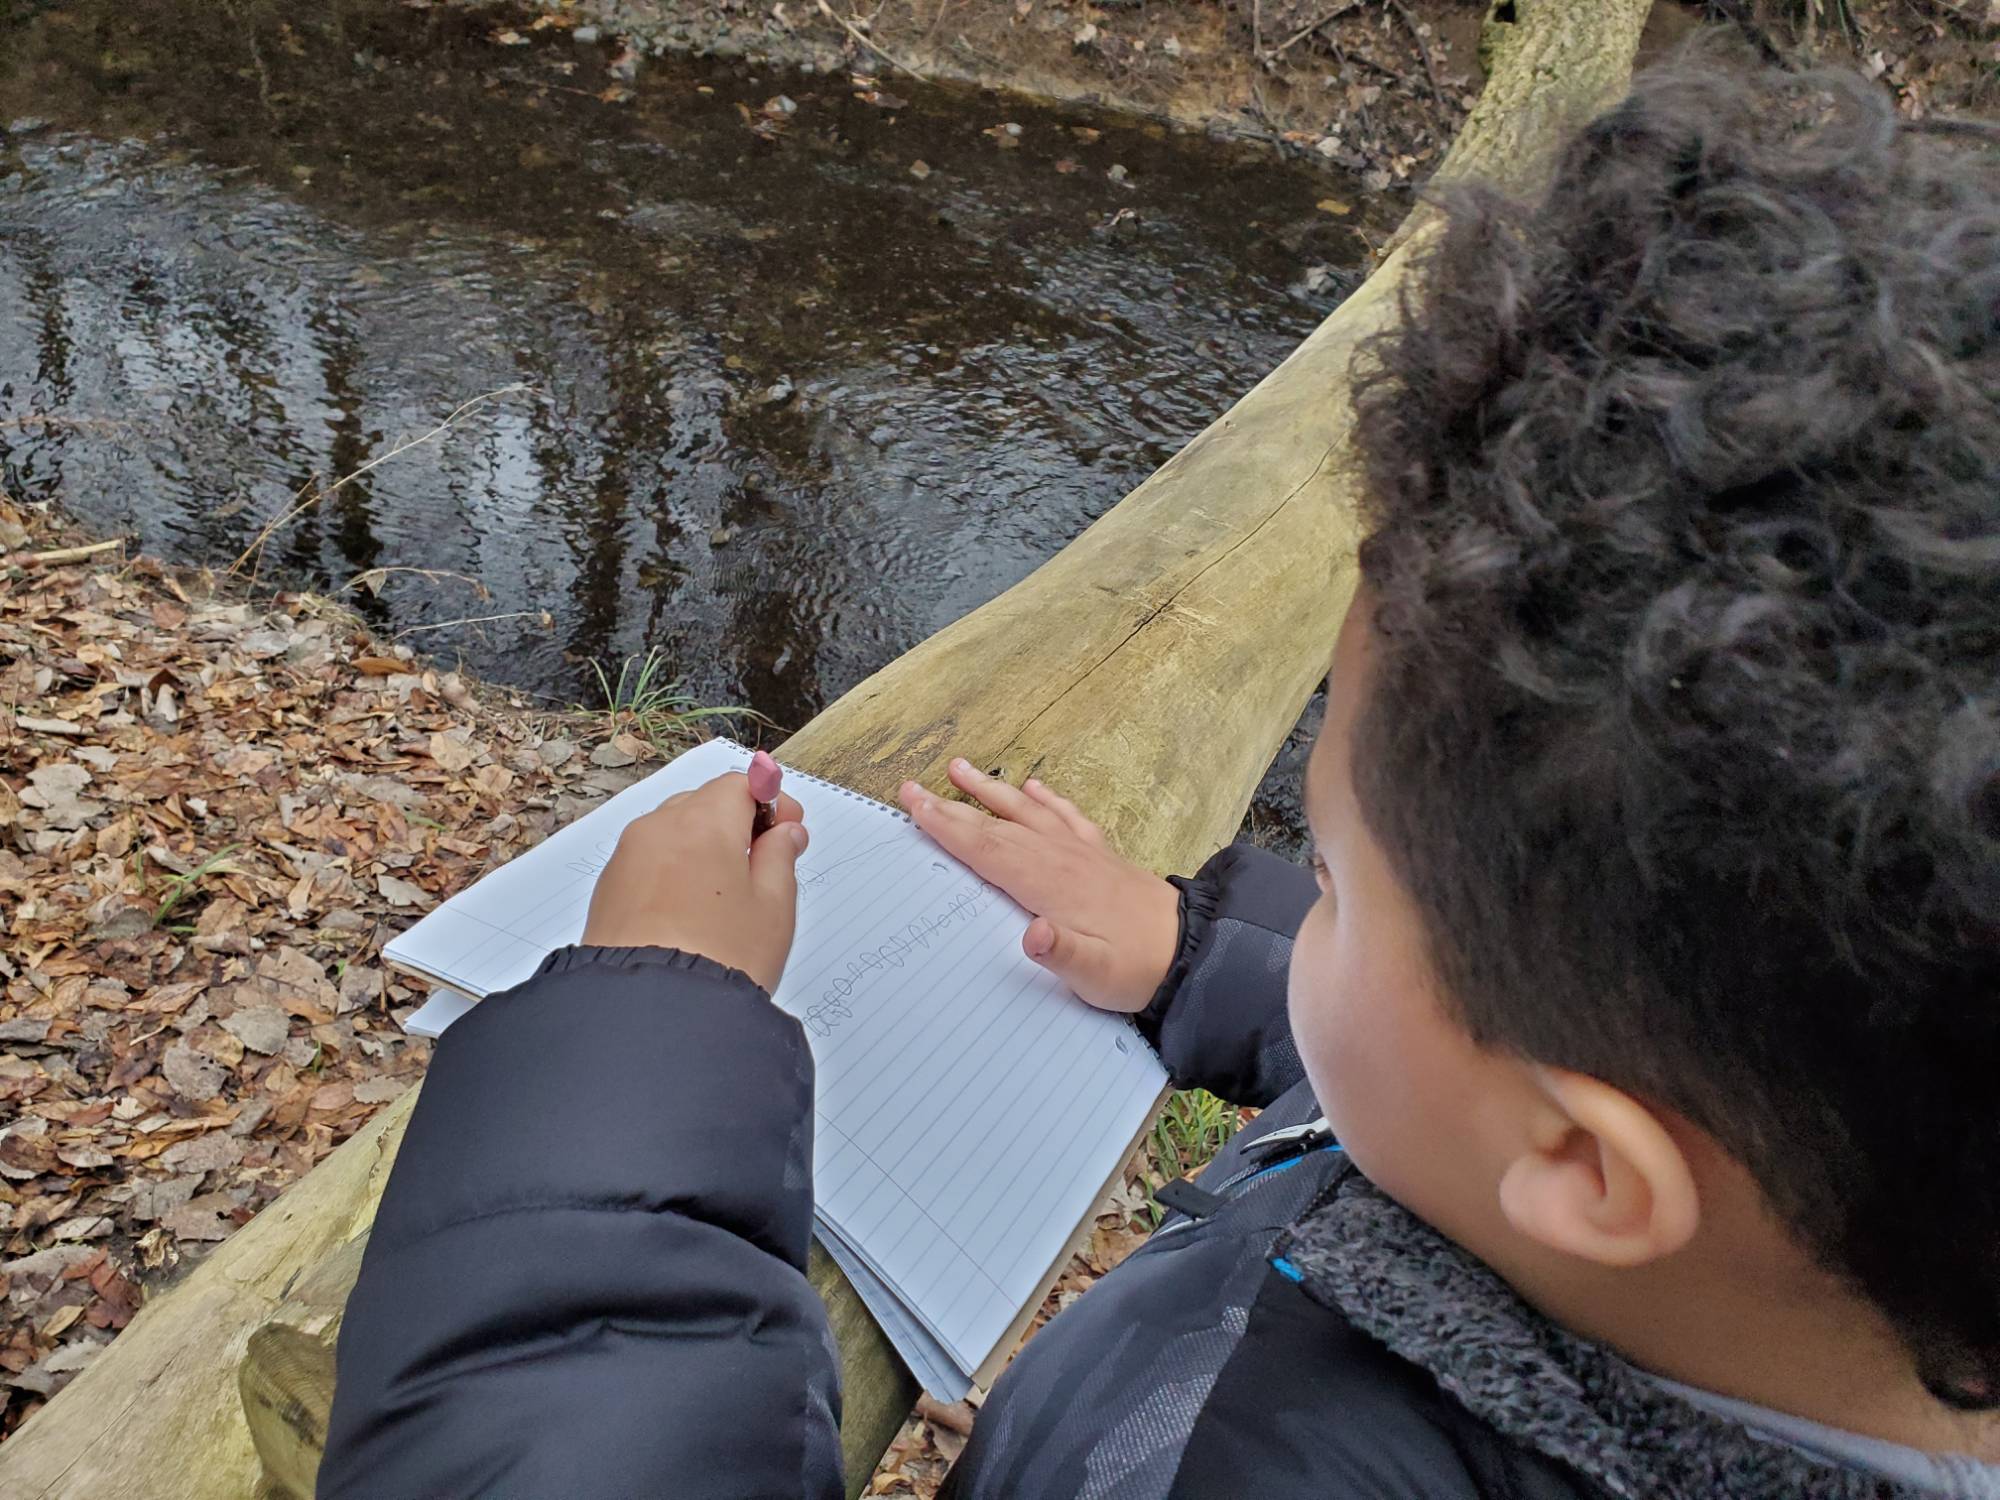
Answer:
(1305, 31)
(1257, 33)
(1261, 111)
(514, 77)
(57, 555)
(304, 502)
(519, 614)
(854, 31)
(1364, 62)
(48, 726)
(371, 579)
(1423, 48)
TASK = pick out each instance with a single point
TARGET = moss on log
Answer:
(1151, 669)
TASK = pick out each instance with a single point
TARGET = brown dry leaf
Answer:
(169, 998)
(453, 753)
(399, 892)
(261, 1028)
(193, 1076)
(198, 1219)
(55, 791)
(332, 1096)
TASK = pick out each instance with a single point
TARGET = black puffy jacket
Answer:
(587, 1280)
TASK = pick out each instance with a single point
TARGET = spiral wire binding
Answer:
(832, 786)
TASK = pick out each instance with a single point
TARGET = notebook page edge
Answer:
(988, 1369)
(405, 950)
(932, 1364)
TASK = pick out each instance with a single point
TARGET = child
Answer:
(1648, 974)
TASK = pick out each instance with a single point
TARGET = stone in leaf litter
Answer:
(920, 170)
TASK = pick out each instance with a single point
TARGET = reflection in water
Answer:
(791, 406)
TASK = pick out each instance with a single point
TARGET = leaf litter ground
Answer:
(213, 811)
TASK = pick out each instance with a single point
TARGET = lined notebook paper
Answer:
(970, 1110)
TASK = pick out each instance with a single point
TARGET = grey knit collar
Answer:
(1398, 1280)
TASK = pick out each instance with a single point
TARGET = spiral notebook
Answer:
(971, 1111)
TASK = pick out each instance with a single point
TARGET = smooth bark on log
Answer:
(1151, 670)
(286, 1377)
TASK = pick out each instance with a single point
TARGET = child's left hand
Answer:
(1104, 926)
(681, 878)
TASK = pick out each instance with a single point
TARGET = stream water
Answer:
(793, 372)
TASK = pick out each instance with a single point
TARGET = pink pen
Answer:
(765, 775)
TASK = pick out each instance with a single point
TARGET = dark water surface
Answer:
(791, 407)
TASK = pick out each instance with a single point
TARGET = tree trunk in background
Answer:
(1151, 670)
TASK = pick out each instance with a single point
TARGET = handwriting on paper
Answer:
(835, 1003)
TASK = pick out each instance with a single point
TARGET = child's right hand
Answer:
(1105, 927)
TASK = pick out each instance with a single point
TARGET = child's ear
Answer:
(1600, 1176)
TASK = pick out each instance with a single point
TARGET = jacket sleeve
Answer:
(587, 1277)
(1218, 1021)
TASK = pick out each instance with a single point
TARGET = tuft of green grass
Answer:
(645, 701)
(1192, 1127)
(180, 887)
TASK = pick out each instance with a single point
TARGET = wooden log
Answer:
(286, 1377)
(1151, 669)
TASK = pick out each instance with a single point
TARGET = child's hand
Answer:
(1105, 927)
(680, 878)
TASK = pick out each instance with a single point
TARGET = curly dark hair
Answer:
(1684, 729)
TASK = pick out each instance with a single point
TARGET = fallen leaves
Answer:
(213, 811)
